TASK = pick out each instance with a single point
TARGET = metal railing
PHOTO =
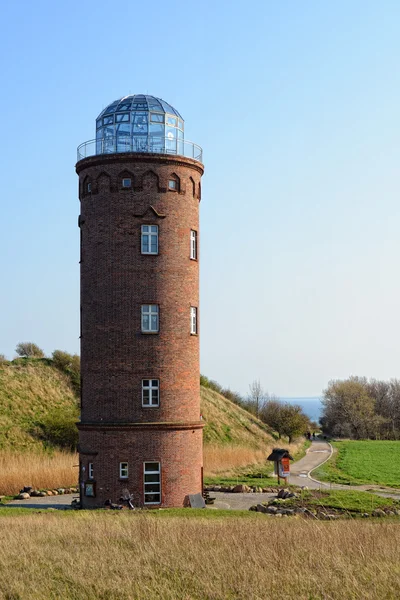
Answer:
(140, 143)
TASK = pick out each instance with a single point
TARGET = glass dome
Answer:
(139, 124)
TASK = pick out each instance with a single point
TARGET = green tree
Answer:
(294, 421)
(286, 419)
(349, 409)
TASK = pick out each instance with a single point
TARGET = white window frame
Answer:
(193, 320)
(193, 244)
(173, 185)
(123, 470)
(152, 311)
(128, 184)
(151, 234)
(152, 387)
(158, 472)
(90, 470)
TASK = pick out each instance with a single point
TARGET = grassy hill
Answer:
(31, 390)
(228, 423)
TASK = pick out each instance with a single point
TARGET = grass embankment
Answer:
(363, 462)
(33, 389)
(30, 391)
(112, 555)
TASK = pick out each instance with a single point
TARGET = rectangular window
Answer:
(152, 483)
(90, 470)
(123, 470)
(193, 319)
(150, 318)
(150, 392)
(126, 183)
(172, 184)
(122, 118)
(149, 239)
(193, 244)
(156, 118)
(89, 187)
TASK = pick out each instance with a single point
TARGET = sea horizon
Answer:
(311, 405)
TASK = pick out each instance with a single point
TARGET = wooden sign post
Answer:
(281, 459)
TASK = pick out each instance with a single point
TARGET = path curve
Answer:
(324, 451)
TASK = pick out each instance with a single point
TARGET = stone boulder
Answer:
(378, 512)
(23, 496)
(241, 489)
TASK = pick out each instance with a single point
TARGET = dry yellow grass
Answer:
(223, 458)
(45, 471)
(39, 470)
(114, 555)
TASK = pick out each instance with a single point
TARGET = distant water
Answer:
(311, 406)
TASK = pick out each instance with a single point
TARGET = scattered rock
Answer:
(23, 496)
(241, 489)
(272, 510)
(278, 515)
(49, 493)
(26, 490)
(42, 494)
(390, 513)
(365, 515)
(61, 491)
(378, 512)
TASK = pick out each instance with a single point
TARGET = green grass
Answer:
(179, 513)
(349, 500)
(258, 475)
(344, 500)
(363, 462)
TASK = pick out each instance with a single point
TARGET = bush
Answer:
(70, 364)
(29, 350)
(59, 429)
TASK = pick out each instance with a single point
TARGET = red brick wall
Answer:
(179, 452)
(116, 279)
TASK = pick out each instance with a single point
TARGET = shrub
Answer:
(58, 428)
(29, 350)
(70, 364)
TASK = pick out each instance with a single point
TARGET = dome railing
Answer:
(140, 143)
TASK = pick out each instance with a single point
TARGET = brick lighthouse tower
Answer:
(139, 187)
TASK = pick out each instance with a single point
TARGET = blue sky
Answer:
(296, 107)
